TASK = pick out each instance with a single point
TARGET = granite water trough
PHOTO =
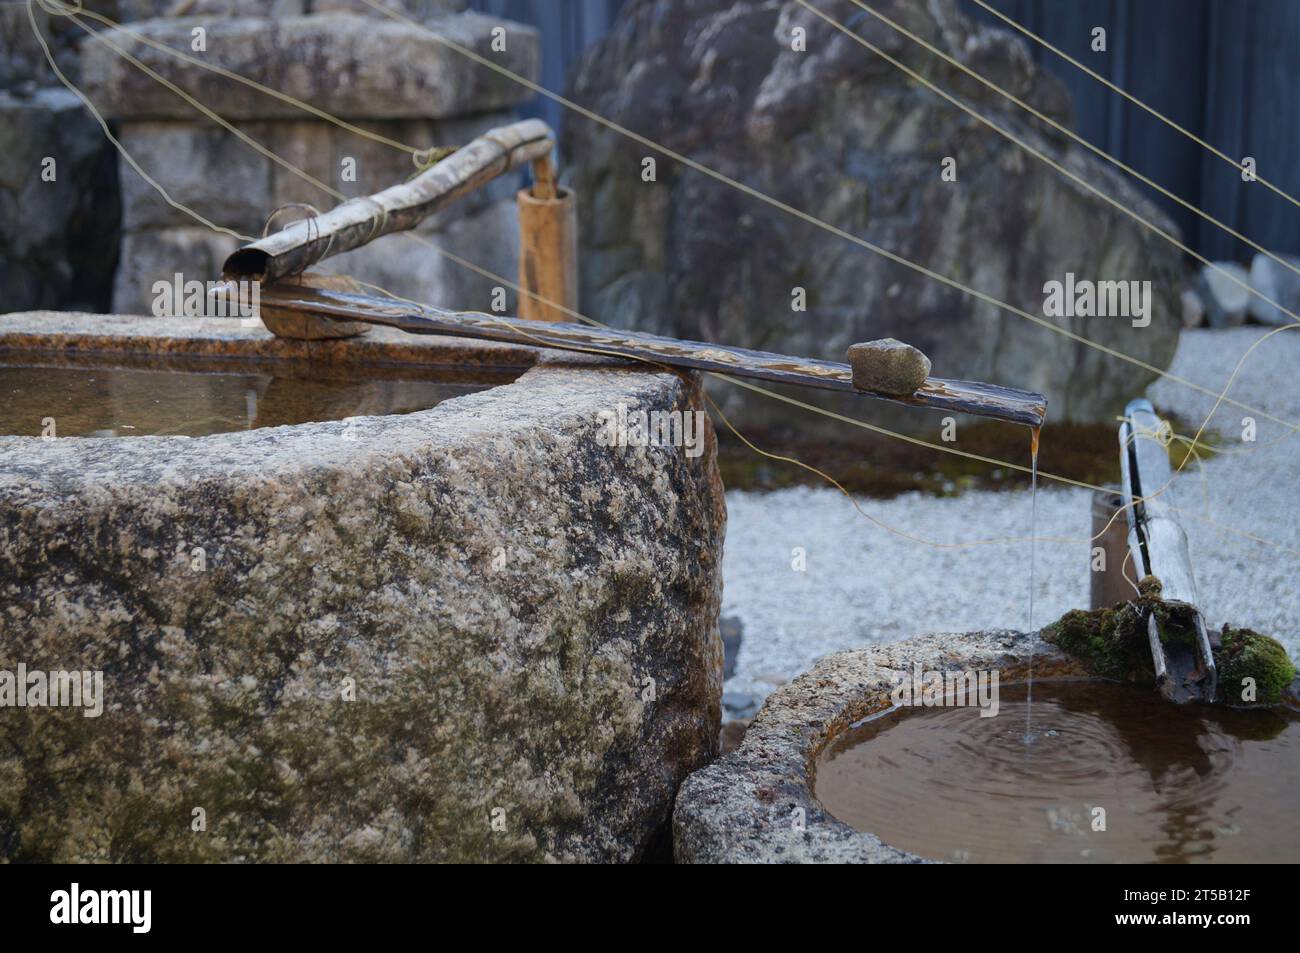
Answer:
(469, 632)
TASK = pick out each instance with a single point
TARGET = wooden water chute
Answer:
(971, 397)
(297, 303)
(1183, 661)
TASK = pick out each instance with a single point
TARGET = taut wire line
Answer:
(1235, 163)
(1049, 161)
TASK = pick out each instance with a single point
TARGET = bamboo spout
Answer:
(361, 220)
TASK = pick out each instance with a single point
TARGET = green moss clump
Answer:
(1112, 642)
(1244, 653)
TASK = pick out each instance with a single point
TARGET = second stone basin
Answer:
(941, 749)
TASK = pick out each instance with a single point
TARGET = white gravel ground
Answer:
(864, 585)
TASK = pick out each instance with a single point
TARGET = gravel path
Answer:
(862, 584)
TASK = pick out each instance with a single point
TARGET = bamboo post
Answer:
(1156, 539)
(548, 247)
(1184, 668)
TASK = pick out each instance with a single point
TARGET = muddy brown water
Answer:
(195, 398)
(1187, 784)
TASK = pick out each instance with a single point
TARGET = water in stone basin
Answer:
(1195, 783)
(195, 398)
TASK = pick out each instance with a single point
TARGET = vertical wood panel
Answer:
(1166, 68)
(1223, 69)
(1269, 118)
(1222, 126)
(568, 27)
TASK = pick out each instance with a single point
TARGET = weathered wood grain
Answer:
(984, 400)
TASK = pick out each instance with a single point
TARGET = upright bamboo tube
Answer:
(548, 248)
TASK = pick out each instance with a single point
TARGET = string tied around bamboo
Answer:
(312, 236)
(426, 159)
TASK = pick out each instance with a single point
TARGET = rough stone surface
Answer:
(1278, 282)
(841, 134)
(160, 254)
(224, 179)
(56, 237)
(410, 7)
(1226, 301)
(888, 366)
(350, 66)
(740, 809)
(498, 586)
(21, 58)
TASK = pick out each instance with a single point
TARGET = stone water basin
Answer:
(385, 598)
(833, 770)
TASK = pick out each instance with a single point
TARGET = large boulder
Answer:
(838, 132)
(472, 633)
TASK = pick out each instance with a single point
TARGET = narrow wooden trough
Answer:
(985, 400)
(547, 270)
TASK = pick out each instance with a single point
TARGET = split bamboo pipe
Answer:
(358, 221)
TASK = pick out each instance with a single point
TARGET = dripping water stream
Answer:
(1033, 533)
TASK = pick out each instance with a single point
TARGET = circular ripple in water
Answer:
(1176, 784)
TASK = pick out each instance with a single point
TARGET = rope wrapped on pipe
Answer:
(354, 223)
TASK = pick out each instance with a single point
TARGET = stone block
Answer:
(158, 254)
(351, 66)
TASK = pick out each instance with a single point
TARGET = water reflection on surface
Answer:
(199, 398)
(1195, 783)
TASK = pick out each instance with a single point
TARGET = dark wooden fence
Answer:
(1225, 70)
(568, 27)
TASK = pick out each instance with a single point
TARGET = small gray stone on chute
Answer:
(888, 366)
